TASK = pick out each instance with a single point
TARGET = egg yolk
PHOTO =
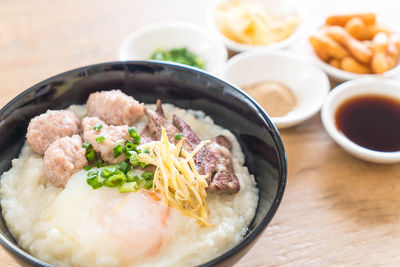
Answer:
(128, 227)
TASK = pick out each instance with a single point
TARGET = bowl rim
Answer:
(331, 104)
(239, 47)
(291, 119)
(181, 25)
(248, 238)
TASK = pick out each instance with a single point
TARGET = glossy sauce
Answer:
(371, 121)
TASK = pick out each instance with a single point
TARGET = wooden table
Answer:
(337, 210)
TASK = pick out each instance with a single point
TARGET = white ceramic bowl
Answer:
(141, 44)
(309, 84)
(341, 93)
(277, 5)
(341, 75)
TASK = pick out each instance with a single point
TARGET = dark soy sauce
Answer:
(371, 121)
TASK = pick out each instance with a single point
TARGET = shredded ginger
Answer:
(176, 177)
(249, 22)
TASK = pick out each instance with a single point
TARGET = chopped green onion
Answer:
(135, 136)
(132, 131)
(147, 151)
(115, 180)
(132, 178)
(124, 167)
(93, 179)
(179, 55)
(134, 159)
(129, 146)
(117, 171)
(148, 176)
(107, 172)
(99, 139)
(94, 182)
(178, 136)
(98, 127)
(128, 154)
(93, 173)
(128, 187)
(148, 185)
(100, 163)
(90, 155)
(87, 145)
(118, 149)
(143, 165)
(87, 167)
(141, 182)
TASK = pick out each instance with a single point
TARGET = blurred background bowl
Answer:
(347, 90)
(309, 84)
(182, 86)
(141, 44)
(339, 75)
(273, 5)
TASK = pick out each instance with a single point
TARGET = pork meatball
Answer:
(111, 136)
(64, 157)
(50, 126)
(114, 107)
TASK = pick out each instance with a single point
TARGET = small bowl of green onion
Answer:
(178, 42)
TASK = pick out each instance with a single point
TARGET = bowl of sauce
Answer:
(363, 117)
(287, 86)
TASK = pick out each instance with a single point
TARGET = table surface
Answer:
(337, 210)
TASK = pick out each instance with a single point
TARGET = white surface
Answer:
(386, 87)
(309, 84)
(141, 44)
(276, 6)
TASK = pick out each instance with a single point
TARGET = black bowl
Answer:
(182, 86)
